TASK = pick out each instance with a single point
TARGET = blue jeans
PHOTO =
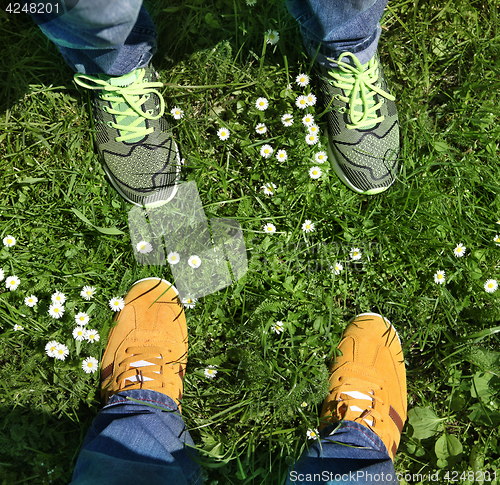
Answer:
(337, 26)
(131, 442)
(134, 443)
(331, 462)
(103, 36)
(116, 37)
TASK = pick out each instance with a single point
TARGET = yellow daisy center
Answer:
(440, 276)
(9, 241)
(490, 285)
(90, 364)
(302, 101)
(117, 303)
(56, 310)
(315, 172)
(89, 293)
(308, 226)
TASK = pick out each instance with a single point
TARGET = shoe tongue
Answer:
(140, 363)
(124, 80)
(358, 395)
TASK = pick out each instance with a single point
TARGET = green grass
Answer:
(441, 59)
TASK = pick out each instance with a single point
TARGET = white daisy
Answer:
(261, 104)
(58, 297)
(31, 301)
(177, 113)
(315, 172)
(314, 128)
(92, 335)
(302, 80)
(355, 254)
(321, 157)
(266, 151)
(173, 258)
(272, 36)
(439, 277)
(459, 251)
(278, 327)
(301, 102)
(50, 348)
(303, 405)
(189, 302)
(312, 139)
(194, 261)
(281, 155)
(117, 304)
(308, 226)
(61, 352)
(490, 286)
(251, 3)
(287, 119)
(2, 274)
(12, 283)
(82, 318)
(56, 310)
(90, 365)
(87, 292)
(270, 228)
(79, 333)
(144, 247)
(497, 240)
(269, 188)
(308, 120)
(311, 99)
(312, 434)
(18, 327)
(337, 267)
(261, 128)
(223, 133)
(9, 241)
(210, 371)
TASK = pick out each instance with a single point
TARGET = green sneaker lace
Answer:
(359, 83)
(130, 99)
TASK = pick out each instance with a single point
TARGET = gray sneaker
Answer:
(132, 136)
(363, 127)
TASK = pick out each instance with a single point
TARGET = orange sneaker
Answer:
(147, 348)
(368, 382)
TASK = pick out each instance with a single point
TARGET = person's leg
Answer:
(110, 45)
(134, 443)
(338, 26)
(139, 436)
(103, 36)
(347, 453)
(364, 414)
